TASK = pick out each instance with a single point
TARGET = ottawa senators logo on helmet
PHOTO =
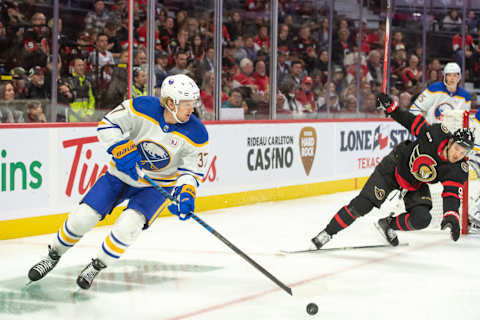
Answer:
(422, 166)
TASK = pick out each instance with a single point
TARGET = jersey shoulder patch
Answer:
(194, 130)
(147, 107)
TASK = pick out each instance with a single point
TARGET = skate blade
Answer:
(384, 237)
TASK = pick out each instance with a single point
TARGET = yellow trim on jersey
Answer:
(112, 246)
(142, 115)
(101, 122)
(157, 213)
(189, 140)
(455, 96)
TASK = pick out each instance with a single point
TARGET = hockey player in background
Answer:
(442, 96)
(159, 135)
(435, 156)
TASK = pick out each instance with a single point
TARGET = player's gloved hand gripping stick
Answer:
(179, 207)
(126, 157)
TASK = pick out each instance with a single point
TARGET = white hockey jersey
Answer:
(434, 100)
(172, 154)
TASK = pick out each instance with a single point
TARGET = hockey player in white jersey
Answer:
(442, 96)
(159, 135)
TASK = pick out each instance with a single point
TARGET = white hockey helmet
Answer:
(451, 67)
(179, 87)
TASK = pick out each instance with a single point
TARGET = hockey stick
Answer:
(373, 246)
(387, 47)
(218, 235)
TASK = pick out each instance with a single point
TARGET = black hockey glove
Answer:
(386, 103)
(451, 220)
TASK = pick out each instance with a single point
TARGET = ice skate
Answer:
(383, 226)
(320, 240)
(40, 269)
(88, 274)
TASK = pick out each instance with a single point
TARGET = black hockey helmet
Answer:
(464, 137)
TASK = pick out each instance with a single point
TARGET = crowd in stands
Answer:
(93, 57)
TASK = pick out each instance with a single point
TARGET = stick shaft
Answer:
(222, 238)
(387, 47)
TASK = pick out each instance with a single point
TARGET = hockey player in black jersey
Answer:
(437, 155)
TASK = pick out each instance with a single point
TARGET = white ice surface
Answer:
(178, 270)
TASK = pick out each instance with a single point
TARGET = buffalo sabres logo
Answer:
(441, 108)
(154, 156)
(379, 193)
(422, 166)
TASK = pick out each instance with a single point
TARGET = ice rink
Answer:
(178, 270)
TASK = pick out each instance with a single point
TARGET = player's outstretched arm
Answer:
(414, 123)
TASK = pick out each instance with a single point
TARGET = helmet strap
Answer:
(174, 111)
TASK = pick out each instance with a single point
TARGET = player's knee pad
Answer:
(420, 217)
(360, 206)
(82, 219)
(129, 226)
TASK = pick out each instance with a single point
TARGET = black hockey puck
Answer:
(312, 308)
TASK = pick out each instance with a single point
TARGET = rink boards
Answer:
(45, 170)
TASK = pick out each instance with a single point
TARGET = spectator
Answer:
(341, 47)
(305, 47)
(114, 45)
(322, 34)
(284, 41)
(305, 95)
(35, 112)
(36, 87)
(251, 48)
(117, 87)
(167, 33)
(374, 66)
(235, 100)
(83, 106)
(369, 106)
(139, 85)
(19, 82)
(291, 105)
(104, 57)
(161, 67)
(334, 100)
(239, 51)
(197, 49)
(140, 58)
(206, 64)
(452, 21)
(262, 39)
(206, 94)
(397, 65)
(8, 114)
(235, 25)
(245, 77)
(282, 66)
(181, 44)
(180, 67)
(411, 75)
(397, 41)
(296, 71)
(262, 81)
(36, 42)
(404, 100)
(472, 21)
(350, 104)
(96, 19)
